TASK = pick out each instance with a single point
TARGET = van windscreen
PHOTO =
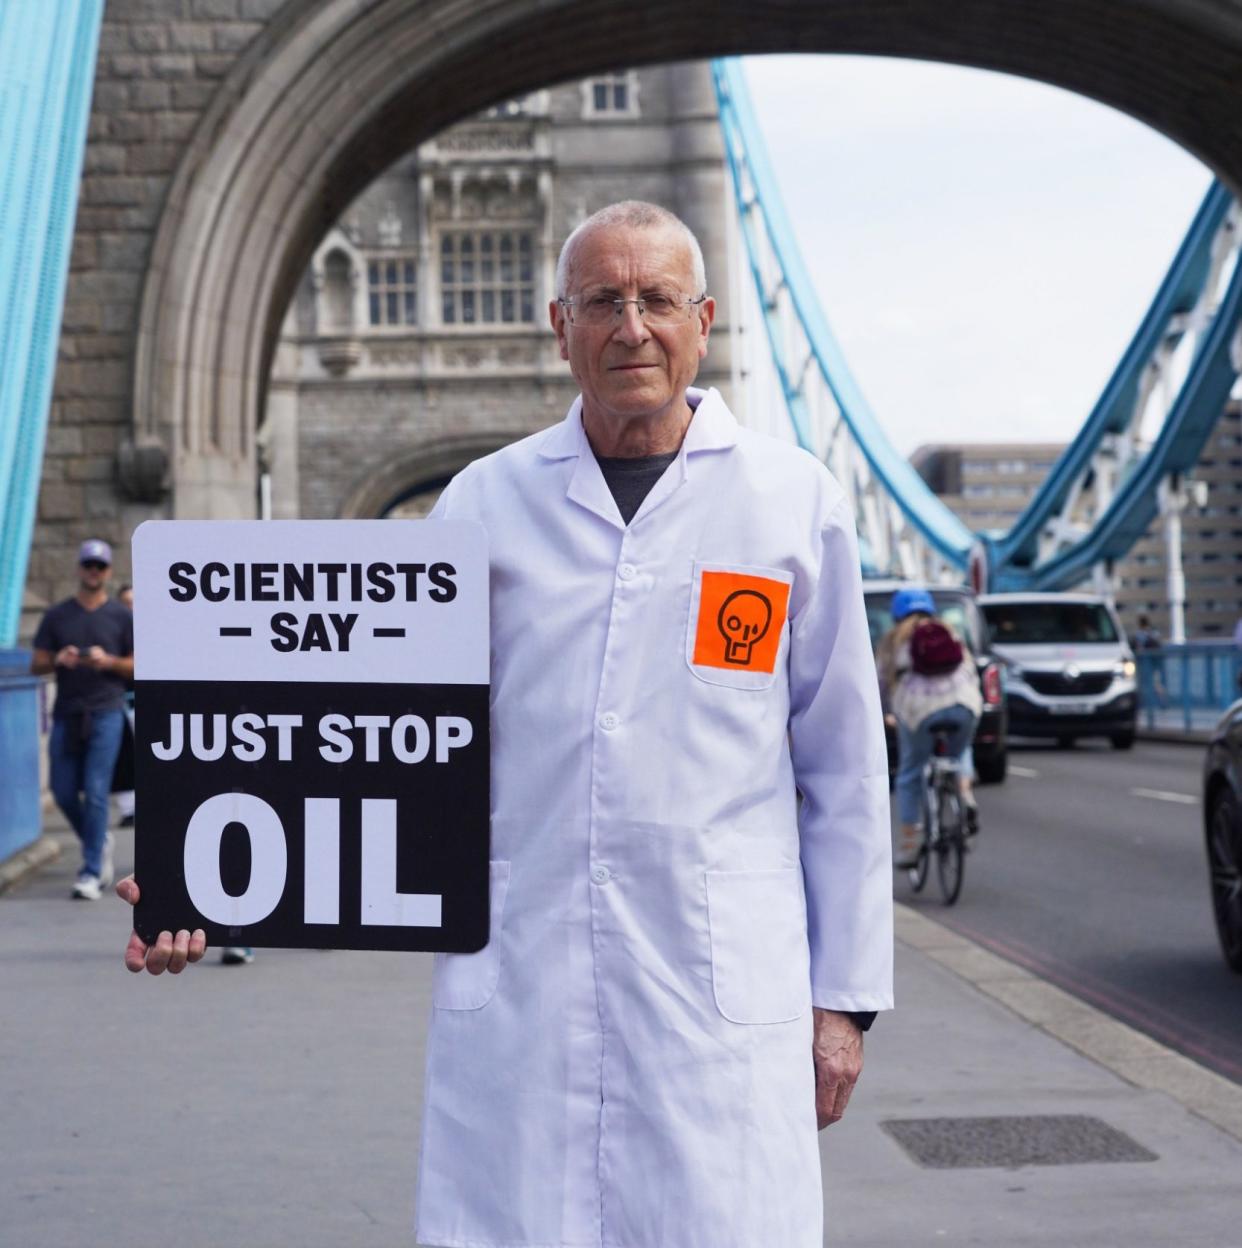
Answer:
(1033, 623)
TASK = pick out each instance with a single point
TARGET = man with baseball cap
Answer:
(88, 641)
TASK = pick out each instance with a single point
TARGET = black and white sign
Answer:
(311, 728)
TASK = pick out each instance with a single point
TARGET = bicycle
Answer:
(944, 821)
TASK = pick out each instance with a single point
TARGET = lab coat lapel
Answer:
(713, 428)
(587, 486)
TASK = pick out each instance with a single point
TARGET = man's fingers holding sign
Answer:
(169, 953)
(838, 1050)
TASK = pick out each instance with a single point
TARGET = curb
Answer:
(1175, 736)
(1128, 1053)
(27, 861)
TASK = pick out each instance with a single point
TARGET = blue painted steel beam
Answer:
(47, 71)
(942, 530)
(1177, 449)
(1178, 293)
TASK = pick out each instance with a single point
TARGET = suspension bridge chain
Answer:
(1143, 435)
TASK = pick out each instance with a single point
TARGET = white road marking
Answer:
(1165, 795)
(1027, 773)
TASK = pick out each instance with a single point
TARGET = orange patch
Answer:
(741, 619)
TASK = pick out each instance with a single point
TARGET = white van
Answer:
(1068, 667)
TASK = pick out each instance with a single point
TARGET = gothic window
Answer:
(487, 277)
(611, 95)
(392, 289)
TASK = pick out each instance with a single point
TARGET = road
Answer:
(1090, 871)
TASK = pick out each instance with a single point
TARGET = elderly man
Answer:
(682, 954)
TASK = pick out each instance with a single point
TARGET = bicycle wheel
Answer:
(950, 848)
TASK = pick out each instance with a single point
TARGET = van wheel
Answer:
(1122, 740)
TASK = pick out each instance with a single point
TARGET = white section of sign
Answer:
(269, 860)
(322, 895)
(338, 601)
(381, 903)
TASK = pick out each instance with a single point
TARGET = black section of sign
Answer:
(442, 810)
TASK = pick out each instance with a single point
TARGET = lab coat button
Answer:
(608, 721)
(627, 571)
(601, 875)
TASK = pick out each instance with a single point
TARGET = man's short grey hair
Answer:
(635, 214)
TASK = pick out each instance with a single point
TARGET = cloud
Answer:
(984, 246)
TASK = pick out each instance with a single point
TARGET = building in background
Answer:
(1211, 546)
(419, 338)
(988, 484)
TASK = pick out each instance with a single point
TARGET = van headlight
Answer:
(1125, 670)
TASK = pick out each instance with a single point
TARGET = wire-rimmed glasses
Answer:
(657, 307)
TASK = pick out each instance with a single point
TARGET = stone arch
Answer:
(430, 463)
(332, 91)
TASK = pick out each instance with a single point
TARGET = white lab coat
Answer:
(627, 1064)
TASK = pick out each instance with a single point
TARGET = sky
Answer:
(984, 246)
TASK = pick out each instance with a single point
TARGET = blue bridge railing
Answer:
(1188, 686)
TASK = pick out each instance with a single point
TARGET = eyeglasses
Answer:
(657, 308)
(94, 565)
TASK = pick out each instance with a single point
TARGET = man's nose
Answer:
(631, 328)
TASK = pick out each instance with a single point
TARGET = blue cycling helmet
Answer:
(909, 601)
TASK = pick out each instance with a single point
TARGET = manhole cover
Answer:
(1037, 1140)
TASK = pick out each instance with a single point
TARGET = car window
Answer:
(958, 612)
(1032, 623)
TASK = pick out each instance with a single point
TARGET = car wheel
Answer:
(1122, 740)
(992, 770)
(1065, 743)
(1224, 849)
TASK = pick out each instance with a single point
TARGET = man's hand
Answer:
(67, 656)
(97, 659)
(838, 1050)
(169, 953)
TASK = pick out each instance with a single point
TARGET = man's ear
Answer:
(707, 314)
(556, 314)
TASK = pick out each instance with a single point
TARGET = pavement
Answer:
(278, 1103)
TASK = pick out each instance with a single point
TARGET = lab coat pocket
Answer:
(735, 634)
(760, 962)
(467, 981)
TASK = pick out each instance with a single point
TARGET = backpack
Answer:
(934, 651)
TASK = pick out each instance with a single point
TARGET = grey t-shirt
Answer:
(70, 623)
(630, 480)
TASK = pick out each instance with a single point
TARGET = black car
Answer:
(958, 608)
(1222, 826)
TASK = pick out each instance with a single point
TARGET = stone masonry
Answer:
(160, 63)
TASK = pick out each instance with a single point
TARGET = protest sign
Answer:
(311, 729)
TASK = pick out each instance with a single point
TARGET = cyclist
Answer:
(929, 678)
